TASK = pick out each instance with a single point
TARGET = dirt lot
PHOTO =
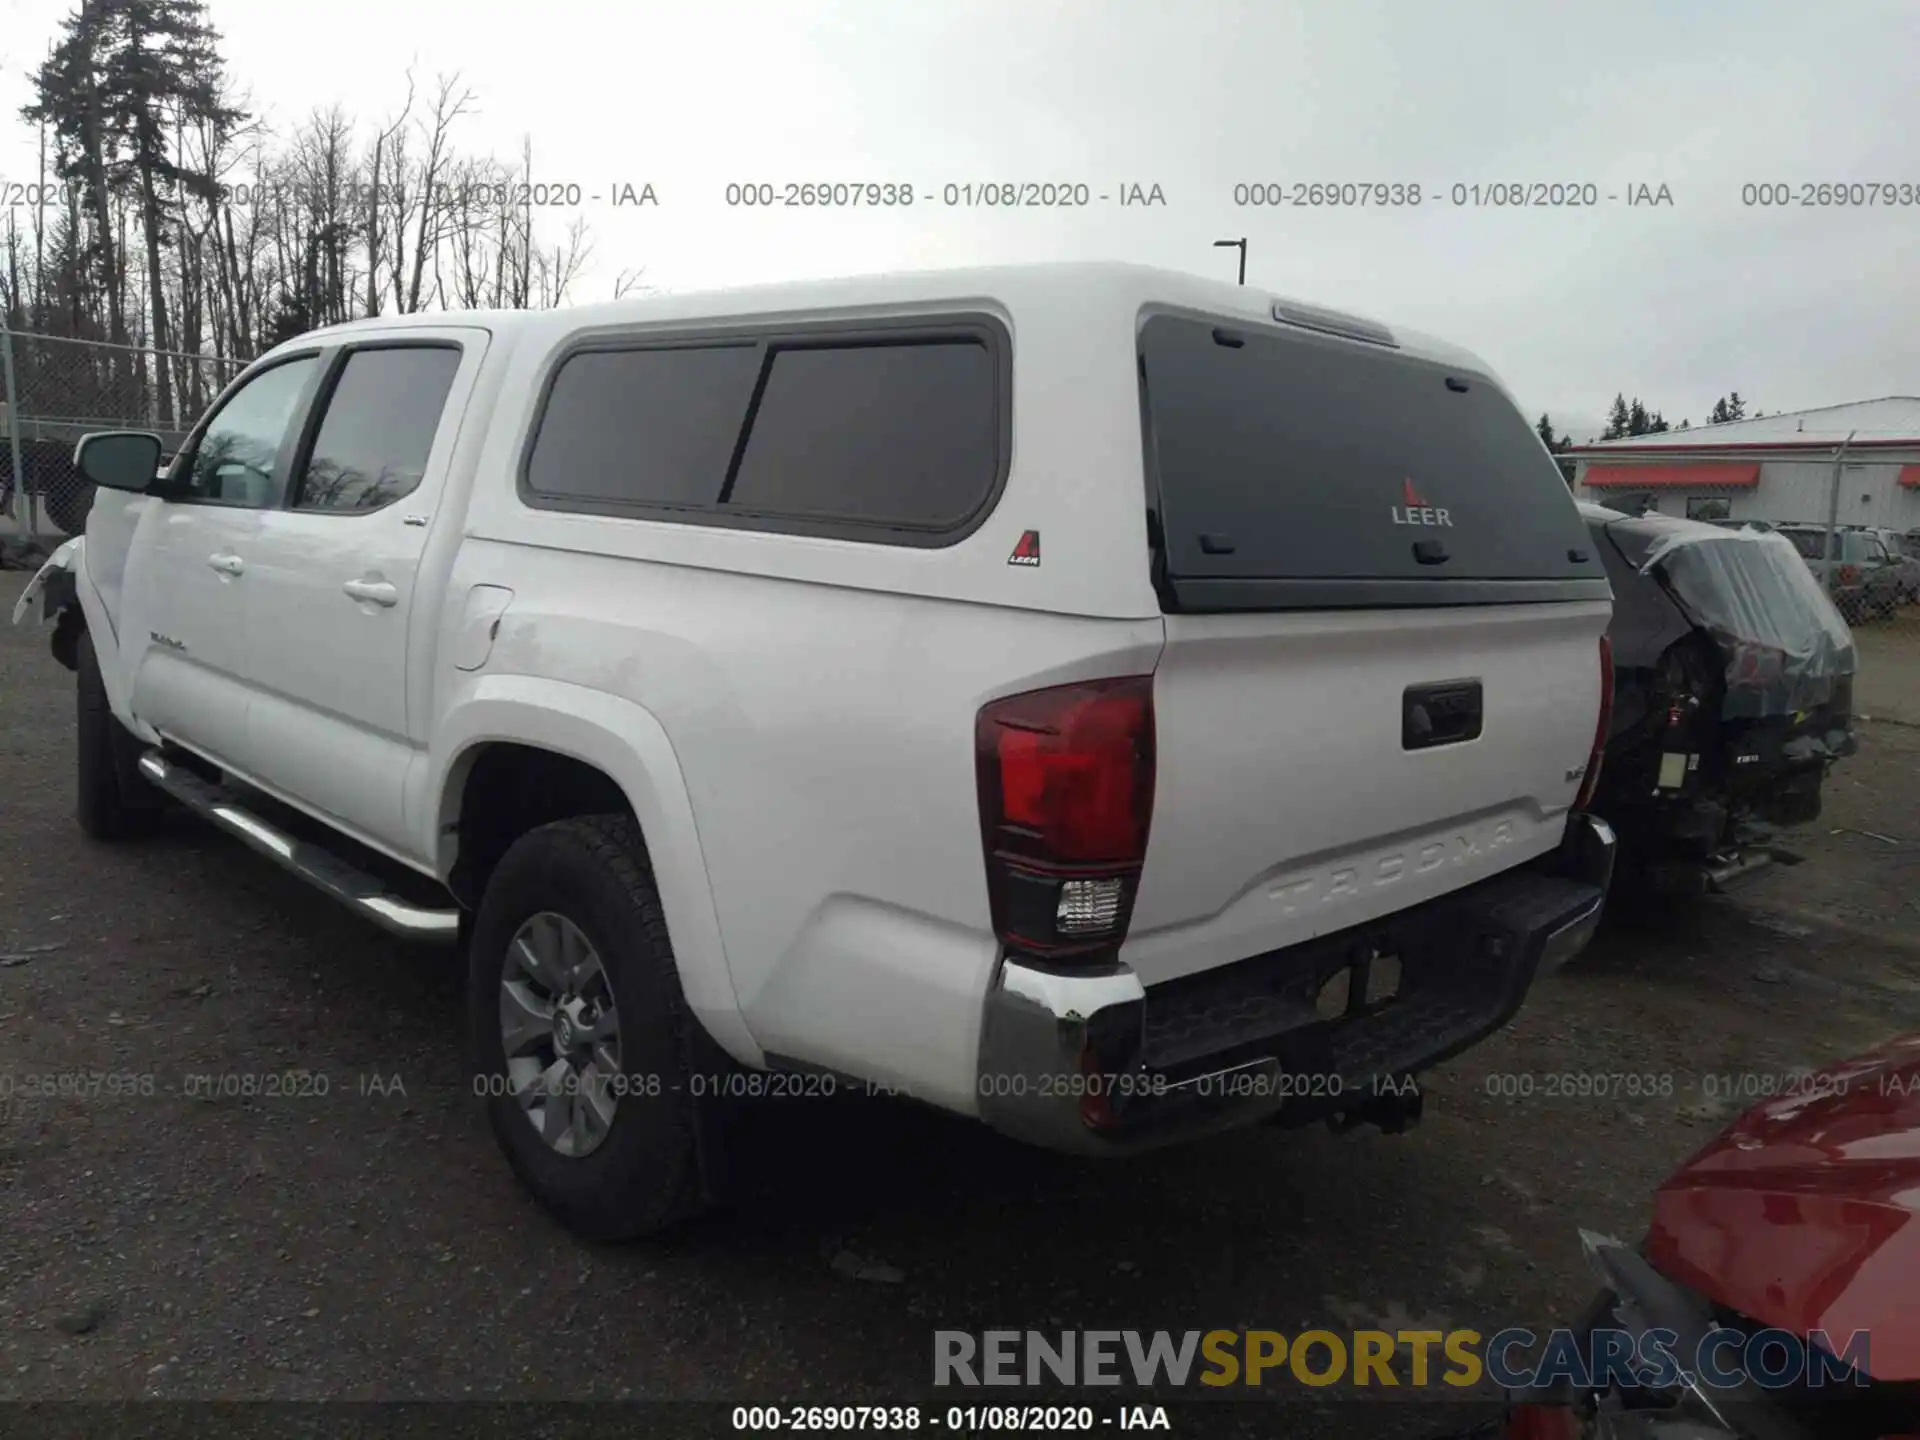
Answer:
(370, 1244)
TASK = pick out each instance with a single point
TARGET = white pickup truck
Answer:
(1103, 702)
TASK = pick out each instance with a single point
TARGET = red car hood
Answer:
(1805, 1213)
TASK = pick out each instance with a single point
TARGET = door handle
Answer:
(227, 564)
(377, 592)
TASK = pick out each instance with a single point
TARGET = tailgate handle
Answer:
(1444, 713)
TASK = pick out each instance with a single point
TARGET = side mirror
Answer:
(119, 459)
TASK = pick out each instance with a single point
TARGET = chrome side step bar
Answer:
(318, 867)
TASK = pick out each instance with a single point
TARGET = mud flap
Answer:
(710, 1115)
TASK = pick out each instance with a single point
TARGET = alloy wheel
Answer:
(560, 1032)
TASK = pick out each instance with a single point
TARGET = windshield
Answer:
(1855, 546)
(1785, 645)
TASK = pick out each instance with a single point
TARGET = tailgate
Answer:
(1383, 612)
(1287, 803)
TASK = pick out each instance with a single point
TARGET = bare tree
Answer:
(555, 270)
(429, 182)
(193, 232)
(385, 161)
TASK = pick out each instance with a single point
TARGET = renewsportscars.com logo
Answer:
(1513, 1359)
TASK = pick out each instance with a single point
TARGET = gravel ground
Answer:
(369, 1243)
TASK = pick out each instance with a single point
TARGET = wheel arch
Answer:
(53, 595)
(594, 745)
(98, 621)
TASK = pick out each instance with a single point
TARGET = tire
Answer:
(114, 801)
(643, 1172)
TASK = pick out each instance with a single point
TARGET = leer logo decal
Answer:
(1027, 552)
(1414, 509)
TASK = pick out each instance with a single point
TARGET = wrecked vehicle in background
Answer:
(1774, 1294)
(1733, 693)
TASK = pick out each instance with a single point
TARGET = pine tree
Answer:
(1636, 418)
(1736, 407)
(1617, 419)
(124, 77)
(69, 101)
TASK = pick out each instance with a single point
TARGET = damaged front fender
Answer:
(54, 588)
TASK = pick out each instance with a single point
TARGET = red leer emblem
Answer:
(1027, 552)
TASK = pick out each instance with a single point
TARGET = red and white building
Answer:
(1776, 468)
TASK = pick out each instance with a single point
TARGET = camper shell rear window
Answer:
(1288, 469)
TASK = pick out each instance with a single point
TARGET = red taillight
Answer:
(1849, 574)
(1755, 664)
(1066, 793)
(1600, 729)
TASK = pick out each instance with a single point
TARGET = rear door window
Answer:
(377, 433)
(1335, 473)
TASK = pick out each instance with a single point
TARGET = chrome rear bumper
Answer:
(1094, 1062)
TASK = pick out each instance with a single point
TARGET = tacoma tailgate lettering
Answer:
(1348, 882)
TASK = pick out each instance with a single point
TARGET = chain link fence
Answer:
(54, 389)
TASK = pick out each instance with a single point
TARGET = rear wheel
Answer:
(583, 1041)
(114, 799)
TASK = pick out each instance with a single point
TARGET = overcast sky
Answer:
(1678, 303)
